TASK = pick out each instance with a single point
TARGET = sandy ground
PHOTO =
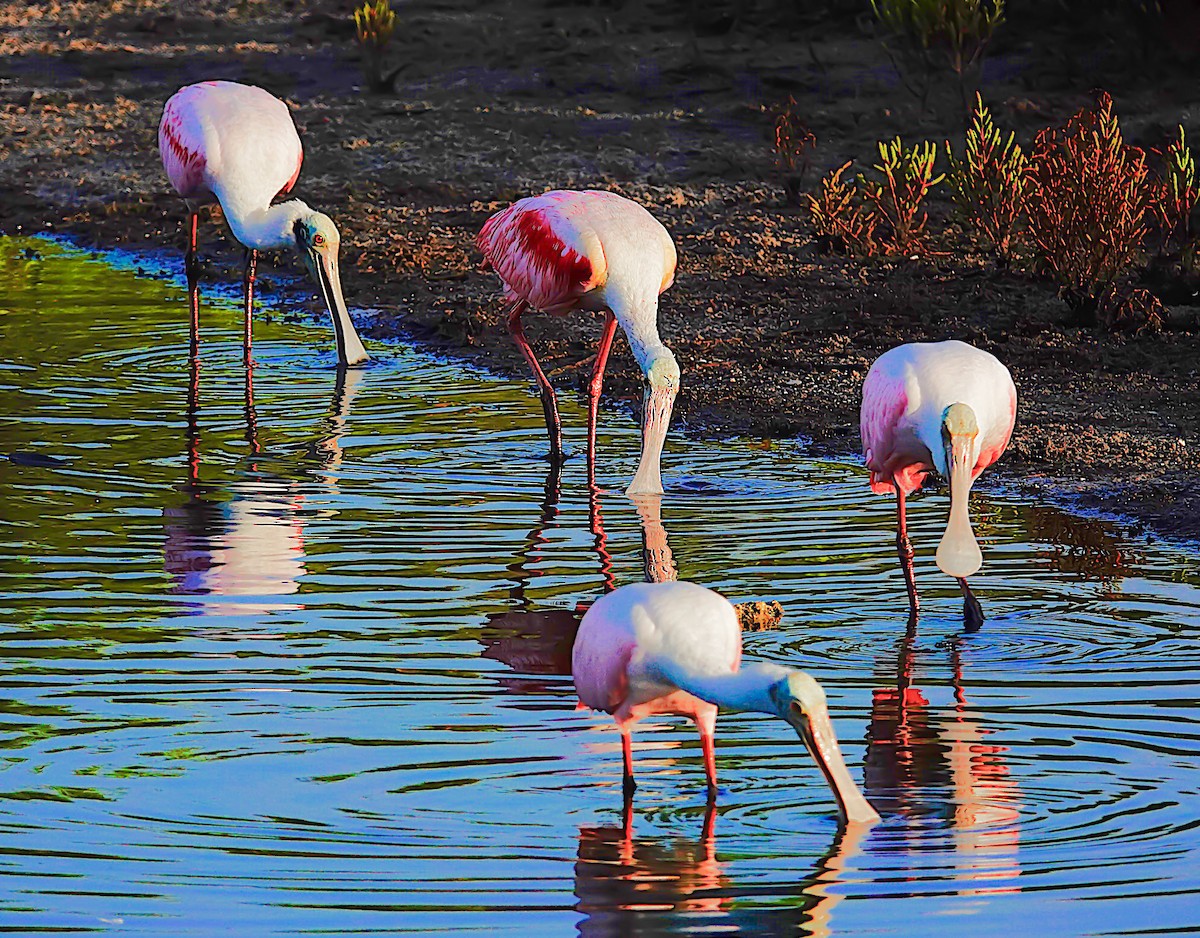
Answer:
(496, 101)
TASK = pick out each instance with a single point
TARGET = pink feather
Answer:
(239, 135)
(543, 250)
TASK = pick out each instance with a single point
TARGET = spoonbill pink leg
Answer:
(905, 549)
(549, 403)
(627, 755)
(251, 412)
(600, 538)
(248, 285)
(191, 267)
(710, 762)
(594, 387)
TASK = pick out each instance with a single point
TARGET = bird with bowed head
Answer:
(236, 144)
(565, 251)
(676, 647)
(937, 406)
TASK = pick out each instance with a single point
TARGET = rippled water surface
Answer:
(296, 664)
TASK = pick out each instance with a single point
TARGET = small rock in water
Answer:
(759, 616)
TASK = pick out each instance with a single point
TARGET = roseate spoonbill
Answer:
(937, 405)
(675, 647)
(237, 145)
(566, 250)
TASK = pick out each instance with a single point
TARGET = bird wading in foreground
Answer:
(237, 145)
(944, 406)
(676, 647)
(564, 251)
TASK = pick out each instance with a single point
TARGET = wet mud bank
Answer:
(494, 103)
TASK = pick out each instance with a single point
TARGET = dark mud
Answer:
(497, 101)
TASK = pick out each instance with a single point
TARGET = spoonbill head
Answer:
(318, 242)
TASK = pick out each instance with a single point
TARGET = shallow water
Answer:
(295, 664)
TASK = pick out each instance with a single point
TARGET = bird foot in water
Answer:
(972, 613)
(629, 786)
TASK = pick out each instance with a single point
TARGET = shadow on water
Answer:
(288, 651)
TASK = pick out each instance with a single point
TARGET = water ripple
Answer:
(290, 656)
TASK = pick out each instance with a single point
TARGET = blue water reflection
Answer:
(287, 655)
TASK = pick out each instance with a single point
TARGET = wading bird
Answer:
(944, 406)
(564, 251)
(650, 648)
(237, 145)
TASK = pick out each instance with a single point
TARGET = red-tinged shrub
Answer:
(793, 141)
(1131, 309)
(895, 198)
(989, 182)
(843, 225)
(1087, 206)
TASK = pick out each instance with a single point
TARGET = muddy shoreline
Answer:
(774, 338)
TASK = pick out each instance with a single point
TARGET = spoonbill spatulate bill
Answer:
(237, 145)
(565, 251)
(676, 647)
(944, 406)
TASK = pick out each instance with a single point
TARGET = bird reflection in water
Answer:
(914, 751)
(537, 643)
(244, 539)
(645, 886)
(627, 885)
(657, 560)
(622, 882)
(1089, 549)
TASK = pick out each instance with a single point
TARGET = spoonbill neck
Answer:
(657, 403)
(658, 364)
(639, 320)
(264, 228)
(746, 689)
(791, 695)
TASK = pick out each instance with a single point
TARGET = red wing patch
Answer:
(618, 683)
(533, 260)
(887, 456)
(291, 183)
(184, 166)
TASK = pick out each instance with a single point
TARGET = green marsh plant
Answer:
(374, 23)
(895, 197)
(928, 37)
(988, 183)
